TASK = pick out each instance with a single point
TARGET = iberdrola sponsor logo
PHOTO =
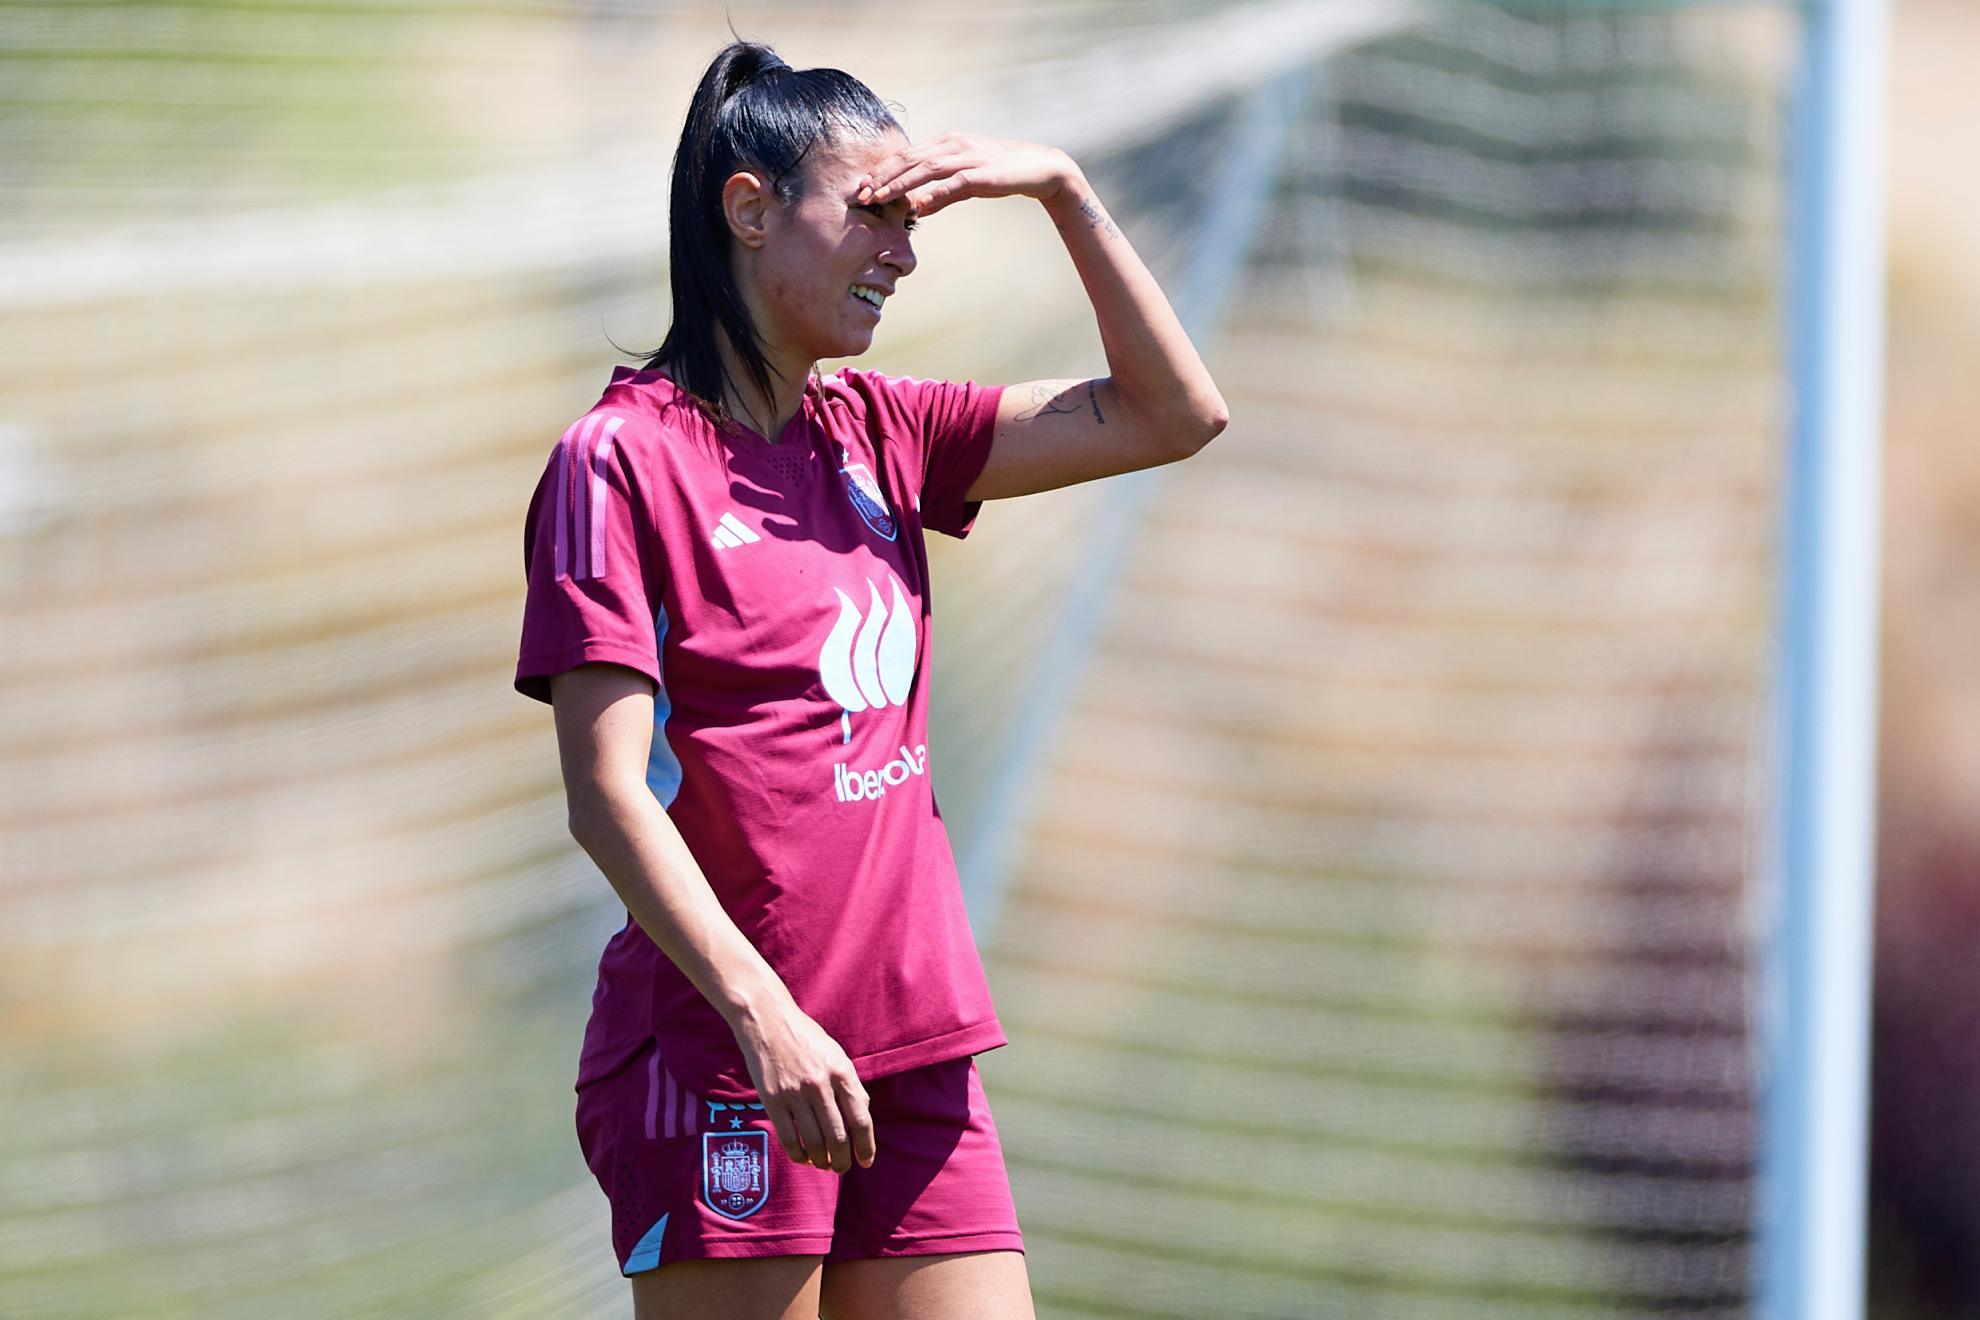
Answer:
(850, 785)
(868, 663)
(868, 659)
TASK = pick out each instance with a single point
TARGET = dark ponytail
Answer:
(753, 112)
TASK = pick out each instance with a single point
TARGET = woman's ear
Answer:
(745, 205)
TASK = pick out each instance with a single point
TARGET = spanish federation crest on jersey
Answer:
(735, 1171)
(864, 492)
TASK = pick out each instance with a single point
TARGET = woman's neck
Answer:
(742, 400)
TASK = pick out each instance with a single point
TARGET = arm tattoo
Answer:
(1044, 401)
(1096, 217)
(1094, 399)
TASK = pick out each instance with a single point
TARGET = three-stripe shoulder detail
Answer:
(585, 499)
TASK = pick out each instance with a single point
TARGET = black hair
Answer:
(750, 111)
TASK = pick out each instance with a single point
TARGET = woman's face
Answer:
(799, 281)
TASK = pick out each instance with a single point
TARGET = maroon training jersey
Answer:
(778, 596)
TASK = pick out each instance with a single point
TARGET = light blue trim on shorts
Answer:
(646, 1255)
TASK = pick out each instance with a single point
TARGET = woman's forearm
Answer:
(1155, 369)
(636, 844)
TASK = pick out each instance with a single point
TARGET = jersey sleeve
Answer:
(950, 426)
(592, 571)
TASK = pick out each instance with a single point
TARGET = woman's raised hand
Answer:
(948, 168)
(808, 1087)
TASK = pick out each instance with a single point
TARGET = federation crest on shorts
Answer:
(735, 1171)
(864, 492)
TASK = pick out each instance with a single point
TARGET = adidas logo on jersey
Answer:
(730, 533)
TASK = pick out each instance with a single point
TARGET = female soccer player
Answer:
(728, 605)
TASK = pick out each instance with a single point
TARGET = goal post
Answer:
(1813, 1149)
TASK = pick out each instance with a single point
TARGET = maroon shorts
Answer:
(695, 1178)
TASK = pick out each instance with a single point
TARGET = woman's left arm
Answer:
(1157, 404)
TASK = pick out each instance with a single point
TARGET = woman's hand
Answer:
(948, 168)
(808, 1087)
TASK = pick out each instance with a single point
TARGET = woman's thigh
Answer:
(754, 1288)
(969, 1285)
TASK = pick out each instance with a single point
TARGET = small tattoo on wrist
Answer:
(1096, 217)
